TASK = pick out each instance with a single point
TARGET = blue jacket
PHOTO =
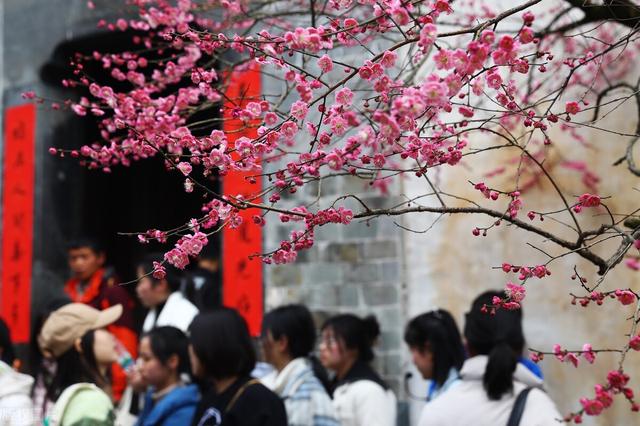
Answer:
(174, 409)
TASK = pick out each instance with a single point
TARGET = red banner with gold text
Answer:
(242, 276)
(17, 219)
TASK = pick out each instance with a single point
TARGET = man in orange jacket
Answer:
(94, 285)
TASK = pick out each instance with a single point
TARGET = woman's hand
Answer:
(136, 381)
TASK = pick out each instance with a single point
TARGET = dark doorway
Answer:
(128, 199)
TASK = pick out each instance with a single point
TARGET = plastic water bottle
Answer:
(125, 360)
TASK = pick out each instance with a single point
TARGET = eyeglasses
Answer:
(328, 341)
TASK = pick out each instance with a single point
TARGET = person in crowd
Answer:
(222, 356)
(7, 355)
(360, 396)
(288, 338)
(16, 408)
(437, 349)
(42, 368)
(76, 336)
(167, 306)
(492, 379)
(164, 365)
(202, 283)
(93, 284)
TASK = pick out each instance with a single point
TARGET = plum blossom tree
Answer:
(380, 90)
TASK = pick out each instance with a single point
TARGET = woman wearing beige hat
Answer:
(75, 336)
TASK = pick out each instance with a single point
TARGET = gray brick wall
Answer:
(357, 270)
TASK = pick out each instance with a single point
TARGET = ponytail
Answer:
(498, 375)
(371, 332)
(499, 336)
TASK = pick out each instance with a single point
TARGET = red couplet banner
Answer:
(242, 275)
(17, 219)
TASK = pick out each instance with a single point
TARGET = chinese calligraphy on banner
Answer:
(242, 277)
(17, 219)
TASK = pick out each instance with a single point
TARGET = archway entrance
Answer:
(102, 205)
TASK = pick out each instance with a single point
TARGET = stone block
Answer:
(391, 272)
(391, 340)
(363, 273)
(320, 316)
(389, 318)
(348, 296)
(287, 195)
(354, 185)
(329, 297)
(321, 273)
(380, 202)
(282, 232)
(308, 256)
(311, 189)
(386, 227)
(278, 296)
(379, 249)
(391, 365)
(341, 252)
(328, 187)
(384, 294)
(284, 275)
(361, 230)
(329, 232)
(321, 296)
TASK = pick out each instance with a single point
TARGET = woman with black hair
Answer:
(436, 348)
(494, 388)
(163, 364)
(222, 356)
(7, 354)
(16, 408)
(360, 396)
(288, 338)
(76, 337)
(162, 297)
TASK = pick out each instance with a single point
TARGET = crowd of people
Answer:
(192, 363)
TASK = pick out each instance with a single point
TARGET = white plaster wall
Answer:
(447, 267)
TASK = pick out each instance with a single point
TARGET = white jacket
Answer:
(364, 403)
(468, 404)
(177, 312)
(16, 408)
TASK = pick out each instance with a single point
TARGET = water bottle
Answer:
(125, 360)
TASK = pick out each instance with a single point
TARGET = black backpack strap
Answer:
(518, 407)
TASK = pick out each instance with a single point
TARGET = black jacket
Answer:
(253, 405)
